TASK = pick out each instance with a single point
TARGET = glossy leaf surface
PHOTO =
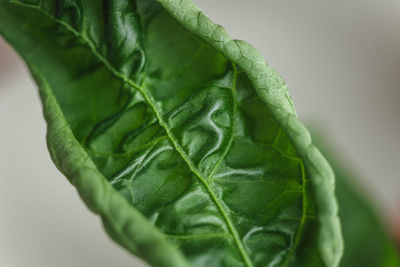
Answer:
(152, 102)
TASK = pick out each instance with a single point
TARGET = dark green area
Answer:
(367, 242)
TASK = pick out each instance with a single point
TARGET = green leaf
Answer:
(184, 141)
(367, 242)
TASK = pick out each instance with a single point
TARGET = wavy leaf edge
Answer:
(273, 90)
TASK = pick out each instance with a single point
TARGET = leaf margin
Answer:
(124, 224)
(273, 91)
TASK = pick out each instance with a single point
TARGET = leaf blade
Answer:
(163, 110)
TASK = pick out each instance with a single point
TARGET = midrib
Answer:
(163, 124)
(202, 180)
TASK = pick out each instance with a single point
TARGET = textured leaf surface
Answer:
(153, 111)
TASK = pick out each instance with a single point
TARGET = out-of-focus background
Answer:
(341, 61)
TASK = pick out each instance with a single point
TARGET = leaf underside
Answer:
(178, 129)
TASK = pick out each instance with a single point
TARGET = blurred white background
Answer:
(341, 60)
